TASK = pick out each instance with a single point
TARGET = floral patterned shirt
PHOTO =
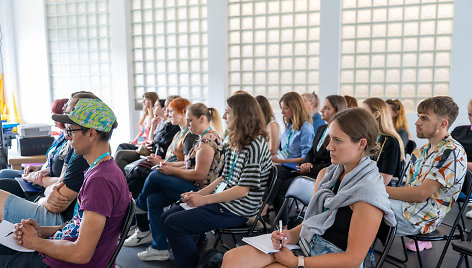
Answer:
(447, 164)
(213, 140)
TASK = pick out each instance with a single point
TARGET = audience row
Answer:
(181, 155)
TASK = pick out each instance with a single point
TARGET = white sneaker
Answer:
(132, 229)
(469, 214)
(138, 238)
(151, 254)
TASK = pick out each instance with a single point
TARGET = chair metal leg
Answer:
(218, 239)
(390, 257)
(461, 259)
(418, 253)
(459, 263)
(444, 251)
(234, 239)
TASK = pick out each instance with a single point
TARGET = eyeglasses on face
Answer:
(69, 131)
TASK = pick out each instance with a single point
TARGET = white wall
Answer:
(122, 73)
(330, 47)
(26, 67)
(217, 54)
(461, 59)
(27, 73)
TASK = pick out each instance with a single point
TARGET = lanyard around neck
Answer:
(97, 160)
(206, 131)
(288, 139)
(321, 140)
(417, 170)
(235, 159)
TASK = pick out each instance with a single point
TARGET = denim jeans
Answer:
(180, 225)
(160, 191)
(320, 246)
(10, 173)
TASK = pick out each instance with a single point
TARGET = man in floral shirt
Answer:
(436, 173)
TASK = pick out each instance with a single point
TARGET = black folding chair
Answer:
(409, 148)
(385, 235)
(253, 228)
(464, 248)
(444, 232)
(124, 231)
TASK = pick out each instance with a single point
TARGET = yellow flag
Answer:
(15, 115)
(3, 101)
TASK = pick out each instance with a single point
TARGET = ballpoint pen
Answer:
(181, 200)
(14, 230)
(280, 230)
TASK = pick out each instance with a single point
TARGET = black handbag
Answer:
(137, 174)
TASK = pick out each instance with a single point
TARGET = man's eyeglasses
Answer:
(70, 130)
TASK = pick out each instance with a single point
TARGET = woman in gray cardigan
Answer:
(348, 205)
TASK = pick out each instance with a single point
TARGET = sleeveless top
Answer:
(213, 140)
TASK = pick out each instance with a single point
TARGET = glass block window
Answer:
(396, 49)
(170, 48)
(79, 47)
(273, 47)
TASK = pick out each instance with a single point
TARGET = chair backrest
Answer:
(410, 147)
(467, 183)
(302, 189)
(124, 231)
(385, 235)
(269, 188)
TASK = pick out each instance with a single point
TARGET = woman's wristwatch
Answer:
(301, 262)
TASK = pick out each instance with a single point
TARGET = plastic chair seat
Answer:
(462, 247)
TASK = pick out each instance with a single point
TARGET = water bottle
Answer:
(369, 261)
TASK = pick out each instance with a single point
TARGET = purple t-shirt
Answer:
(104, 191)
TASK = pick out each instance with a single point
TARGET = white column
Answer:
(8, 65)
(122, 72)
(27, 58)
(217, 11)
(461, 59)
(330, 47)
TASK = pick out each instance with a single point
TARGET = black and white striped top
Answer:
(251, 170)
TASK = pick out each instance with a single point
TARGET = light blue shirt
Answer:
(317, 121)
(300, 142)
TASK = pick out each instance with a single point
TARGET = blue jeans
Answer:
(160, 191)
(320, 246)
(10, 173)
(16, 208)
(180, 225)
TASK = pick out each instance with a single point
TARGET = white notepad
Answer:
(185, 206)
(264, 243)
(5, 228)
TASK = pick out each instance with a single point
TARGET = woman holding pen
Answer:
(344, 215)
(235, 196)
(163, 187)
